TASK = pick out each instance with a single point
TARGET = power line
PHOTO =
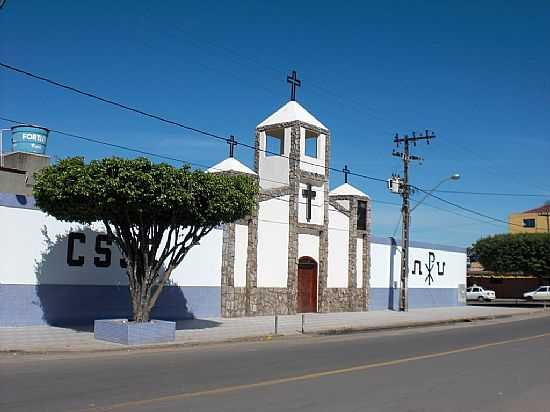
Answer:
(203, 132)
(225, 139)
(475, 212)
(169, 121)
(183, 161)
(153, 154)
(494, 193)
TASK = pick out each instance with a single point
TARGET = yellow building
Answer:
(531, 221)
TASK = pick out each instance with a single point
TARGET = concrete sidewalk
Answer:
(56, 339)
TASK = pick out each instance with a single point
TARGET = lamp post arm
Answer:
(429, 193)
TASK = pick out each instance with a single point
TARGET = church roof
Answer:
(231, 164)
(346, 190)
(290, 112)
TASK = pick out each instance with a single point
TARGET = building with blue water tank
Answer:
(26, 155)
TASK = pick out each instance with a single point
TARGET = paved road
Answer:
(497, 366)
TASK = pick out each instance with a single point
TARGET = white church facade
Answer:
(306, 248)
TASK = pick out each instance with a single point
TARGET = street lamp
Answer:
(454, 176)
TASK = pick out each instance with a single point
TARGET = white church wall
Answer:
(273, 243)
(381, 265)
(274, 169)
(338, 249)
(359, 264)
(317, 205)
(429, 284)
(54, 271)
(312, 164)
(308, 245)
(448, 269)
(241, 252)
(203, 264)
(33, 243)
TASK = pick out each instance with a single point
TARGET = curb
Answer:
(401, 326)
(263, 338)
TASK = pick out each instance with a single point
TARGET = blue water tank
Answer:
(28, 138)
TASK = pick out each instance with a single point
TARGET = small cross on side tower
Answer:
(232, 143)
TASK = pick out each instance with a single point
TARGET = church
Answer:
(307, 248)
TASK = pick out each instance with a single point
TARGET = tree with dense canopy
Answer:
(528, 253)
(155, 213)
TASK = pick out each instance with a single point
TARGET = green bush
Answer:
(521, 252)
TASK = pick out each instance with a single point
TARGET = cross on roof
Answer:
(346, 173)
(232, 143)
(294, 82)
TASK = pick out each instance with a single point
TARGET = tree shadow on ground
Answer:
(81, 279)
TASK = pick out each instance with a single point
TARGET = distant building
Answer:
(530, 221)
(28, 155)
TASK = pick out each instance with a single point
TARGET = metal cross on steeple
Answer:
(232, 143)
(346, 173)
(309, 195)
(294, 82)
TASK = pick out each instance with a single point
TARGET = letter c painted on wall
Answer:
(71, 261)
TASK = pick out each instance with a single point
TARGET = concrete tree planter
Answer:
(134, 333)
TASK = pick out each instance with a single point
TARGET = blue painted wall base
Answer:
(61, 305)
(388, 298)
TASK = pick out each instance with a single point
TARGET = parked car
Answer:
(478, 293)
(542, 293)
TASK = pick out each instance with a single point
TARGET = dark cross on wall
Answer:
(309, 195)
(232, 143)
(346, 172)
(294, 82)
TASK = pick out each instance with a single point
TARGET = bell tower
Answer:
(292, 160)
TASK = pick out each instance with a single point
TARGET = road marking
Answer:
(309, 376)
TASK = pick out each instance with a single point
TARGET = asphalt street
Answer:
(490, 366)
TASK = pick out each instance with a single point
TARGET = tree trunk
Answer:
(142, 312)
(140, 292)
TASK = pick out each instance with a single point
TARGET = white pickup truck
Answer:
(478, 293)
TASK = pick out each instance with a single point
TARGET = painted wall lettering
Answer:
(103, 250)
(73, 237)
(432, 261)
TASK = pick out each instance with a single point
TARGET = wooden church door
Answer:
(307, 285)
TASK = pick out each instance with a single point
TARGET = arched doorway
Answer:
(307, 285)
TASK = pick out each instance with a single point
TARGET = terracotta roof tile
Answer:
(541, 209)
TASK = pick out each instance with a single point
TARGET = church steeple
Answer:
(294, 152)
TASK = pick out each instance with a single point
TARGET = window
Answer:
(275, 142)
(311, 144)
(361, 215)
(528, 222)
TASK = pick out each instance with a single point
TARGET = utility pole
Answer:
(405, 208)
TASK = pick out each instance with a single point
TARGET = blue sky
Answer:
(476, 73)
